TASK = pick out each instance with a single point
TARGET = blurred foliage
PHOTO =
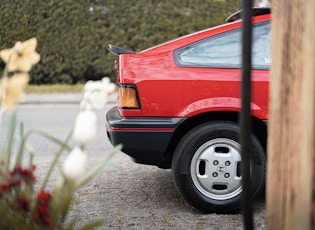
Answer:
(73, 35)
(54, 88)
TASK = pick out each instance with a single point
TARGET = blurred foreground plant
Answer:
(21, 205)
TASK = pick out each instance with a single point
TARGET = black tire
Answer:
(206, 167)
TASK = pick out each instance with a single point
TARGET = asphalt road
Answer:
(125, 195)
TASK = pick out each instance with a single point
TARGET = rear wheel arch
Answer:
(258, 126)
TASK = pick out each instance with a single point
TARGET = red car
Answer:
(178, 108)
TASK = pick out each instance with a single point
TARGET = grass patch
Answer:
(55, 88)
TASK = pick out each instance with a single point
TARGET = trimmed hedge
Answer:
(73, 35)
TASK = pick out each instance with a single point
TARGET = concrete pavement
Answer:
(60, 98)
(47, 98)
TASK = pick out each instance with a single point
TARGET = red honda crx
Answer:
(178, 108)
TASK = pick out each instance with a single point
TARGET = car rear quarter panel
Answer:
(168, 90)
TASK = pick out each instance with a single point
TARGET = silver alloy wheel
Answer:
(215, 169)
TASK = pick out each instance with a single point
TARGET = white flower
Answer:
(96, 93)
(95, 99)
(108, 86)
(74, 165)
(105, 81)
(85, 127)
(92, 85)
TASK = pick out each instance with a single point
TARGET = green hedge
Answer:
(73, 35)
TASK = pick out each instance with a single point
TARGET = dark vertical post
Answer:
(245, 117)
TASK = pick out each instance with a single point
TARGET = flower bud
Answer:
(74, 165)
(85, 127)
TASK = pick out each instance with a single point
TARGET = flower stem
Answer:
(55, 160)
(89, 176)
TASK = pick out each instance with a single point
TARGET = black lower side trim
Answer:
(144, 139)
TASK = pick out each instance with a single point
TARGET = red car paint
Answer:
(166, 89)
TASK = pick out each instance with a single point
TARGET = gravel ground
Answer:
(132, 196)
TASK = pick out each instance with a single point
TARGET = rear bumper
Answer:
(144, 139)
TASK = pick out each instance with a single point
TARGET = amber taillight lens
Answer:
(128, 97)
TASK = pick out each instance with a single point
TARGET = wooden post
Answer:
(291, 138)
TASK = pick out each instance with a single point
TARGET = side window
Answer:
(261, 55)
(224, 50)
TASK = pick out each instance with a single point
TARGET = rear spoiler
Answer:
(118, 50)
(256, 11)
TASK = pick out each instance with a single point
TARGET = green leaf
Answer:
(92, 225)
(6, 155)
(19, 156)
(61, 202)
(50, 137)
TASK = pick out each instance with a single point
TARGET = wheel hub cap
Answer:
(215, 169)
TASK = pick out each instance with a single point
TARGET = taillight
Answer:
(128, 97)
